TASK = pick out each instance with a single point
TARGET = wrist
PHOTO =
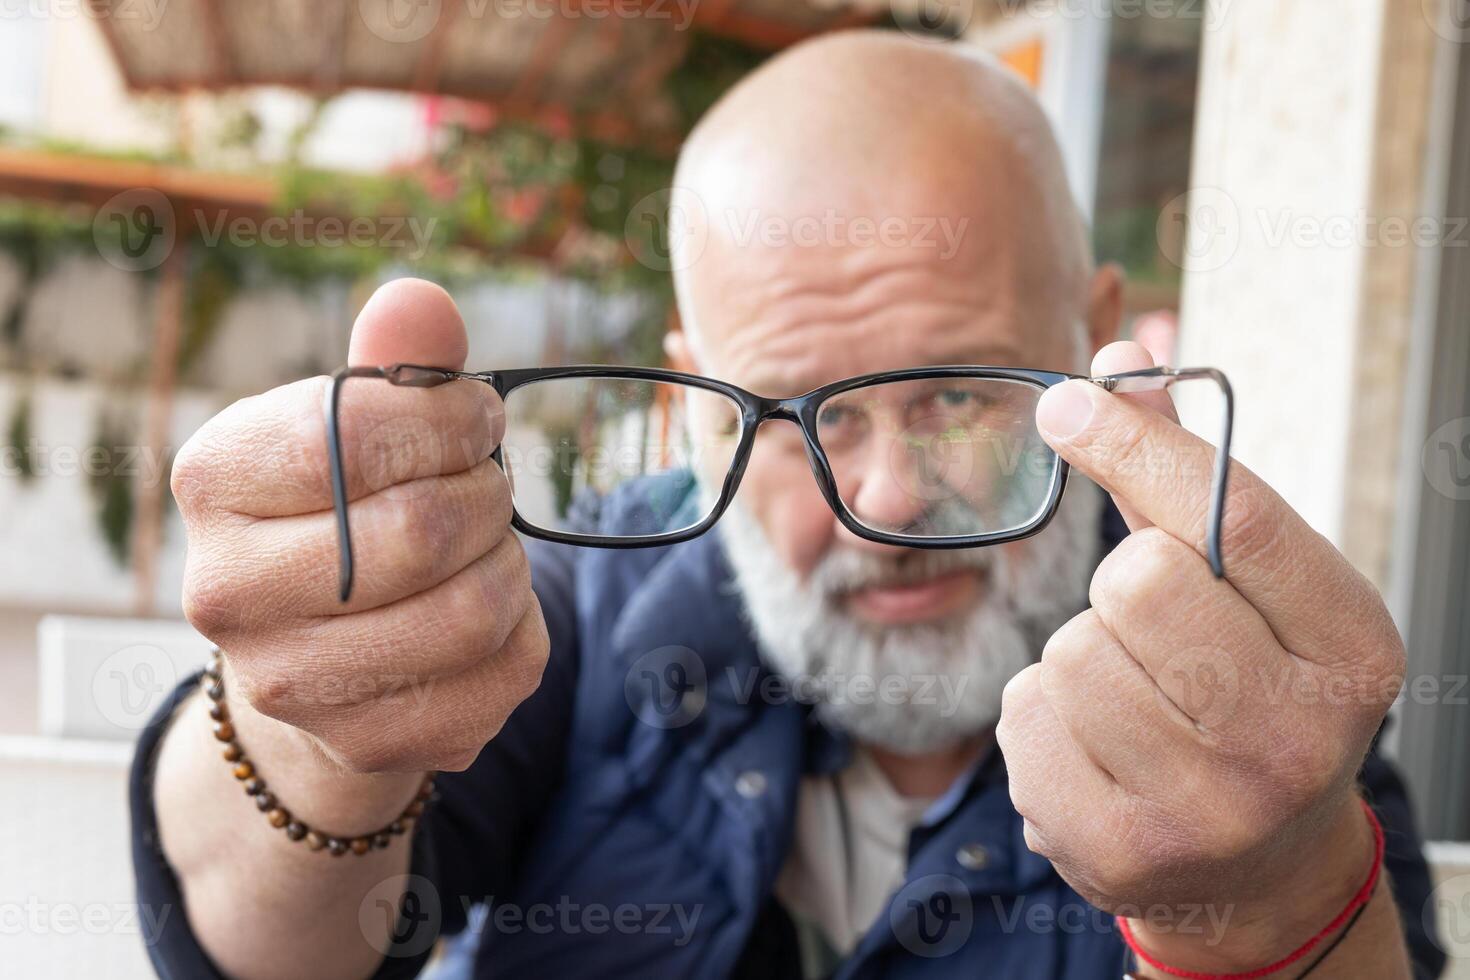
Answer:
(1323, 872)
(301, 772)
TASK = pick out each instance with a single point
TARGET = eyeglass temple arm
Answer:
(338, 473)
(1160, 378)
(403, 375)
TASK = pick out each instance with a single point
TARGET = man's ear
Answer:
(1105, 305)
(676, 348)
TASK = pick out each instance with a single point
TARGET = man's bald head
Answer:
(874, 125)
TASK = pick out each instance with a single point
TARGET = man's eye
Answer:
(955, 397)
(832, 416)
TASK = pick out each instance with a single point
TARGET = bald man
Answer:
(862, 203)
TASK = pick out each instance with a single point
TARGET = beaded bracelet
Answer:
(279, 817)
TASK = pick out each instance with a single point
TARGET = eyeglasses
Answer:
(933, 457)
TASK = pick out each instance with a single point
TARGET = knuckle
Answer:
(1017, 700)
(530, 650)
(210, 600)
(1143, 569)
(1252, 522)
(269, 691)
(190, 476)
(1067, 659)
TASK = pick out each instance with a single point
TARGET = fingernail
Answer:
(1065, 409)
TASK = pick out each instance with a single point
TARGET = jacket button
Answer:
(974, 857)
(751, 784)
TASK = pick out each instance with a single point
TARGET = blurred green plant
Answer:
(112, 488)
(18, 437)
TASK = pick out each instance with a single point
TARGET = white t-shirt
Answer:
(849, 855)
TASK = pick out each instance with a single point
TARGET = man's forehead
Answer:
(790, 314)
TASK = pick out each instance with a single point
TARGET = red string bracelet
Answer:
(1359, 900)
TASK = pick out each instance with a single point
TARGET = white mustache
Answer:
(844, 570)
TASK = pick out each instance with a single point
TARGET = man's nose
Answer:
(879, 491)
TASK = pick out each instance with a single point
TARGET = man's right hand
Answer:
(442, 637)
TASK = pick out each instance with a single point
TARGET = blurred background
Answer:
(196, 196)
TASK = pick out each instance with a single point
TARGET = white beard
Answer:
(914, 688)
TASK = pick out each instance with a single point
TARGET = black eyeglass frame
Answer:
(755, 410)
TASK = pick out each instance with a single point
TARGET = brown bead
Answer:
(215, 690)
(396, 827)
(224, 731)
(426, 790)
(254, 787)
(244, 770)
(336, 846)
(233, 752)
(265, 802)
(296, 830)
(382, 840)
(219, 712)
(315, 841)
(413, 809)
(278, 817)
(361, 845)
(215, 669)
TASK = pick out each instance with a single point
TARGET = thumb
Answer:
(409, 321)
(1116, 358)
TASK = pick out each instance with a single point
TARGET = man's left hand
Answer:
(1188, 746)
